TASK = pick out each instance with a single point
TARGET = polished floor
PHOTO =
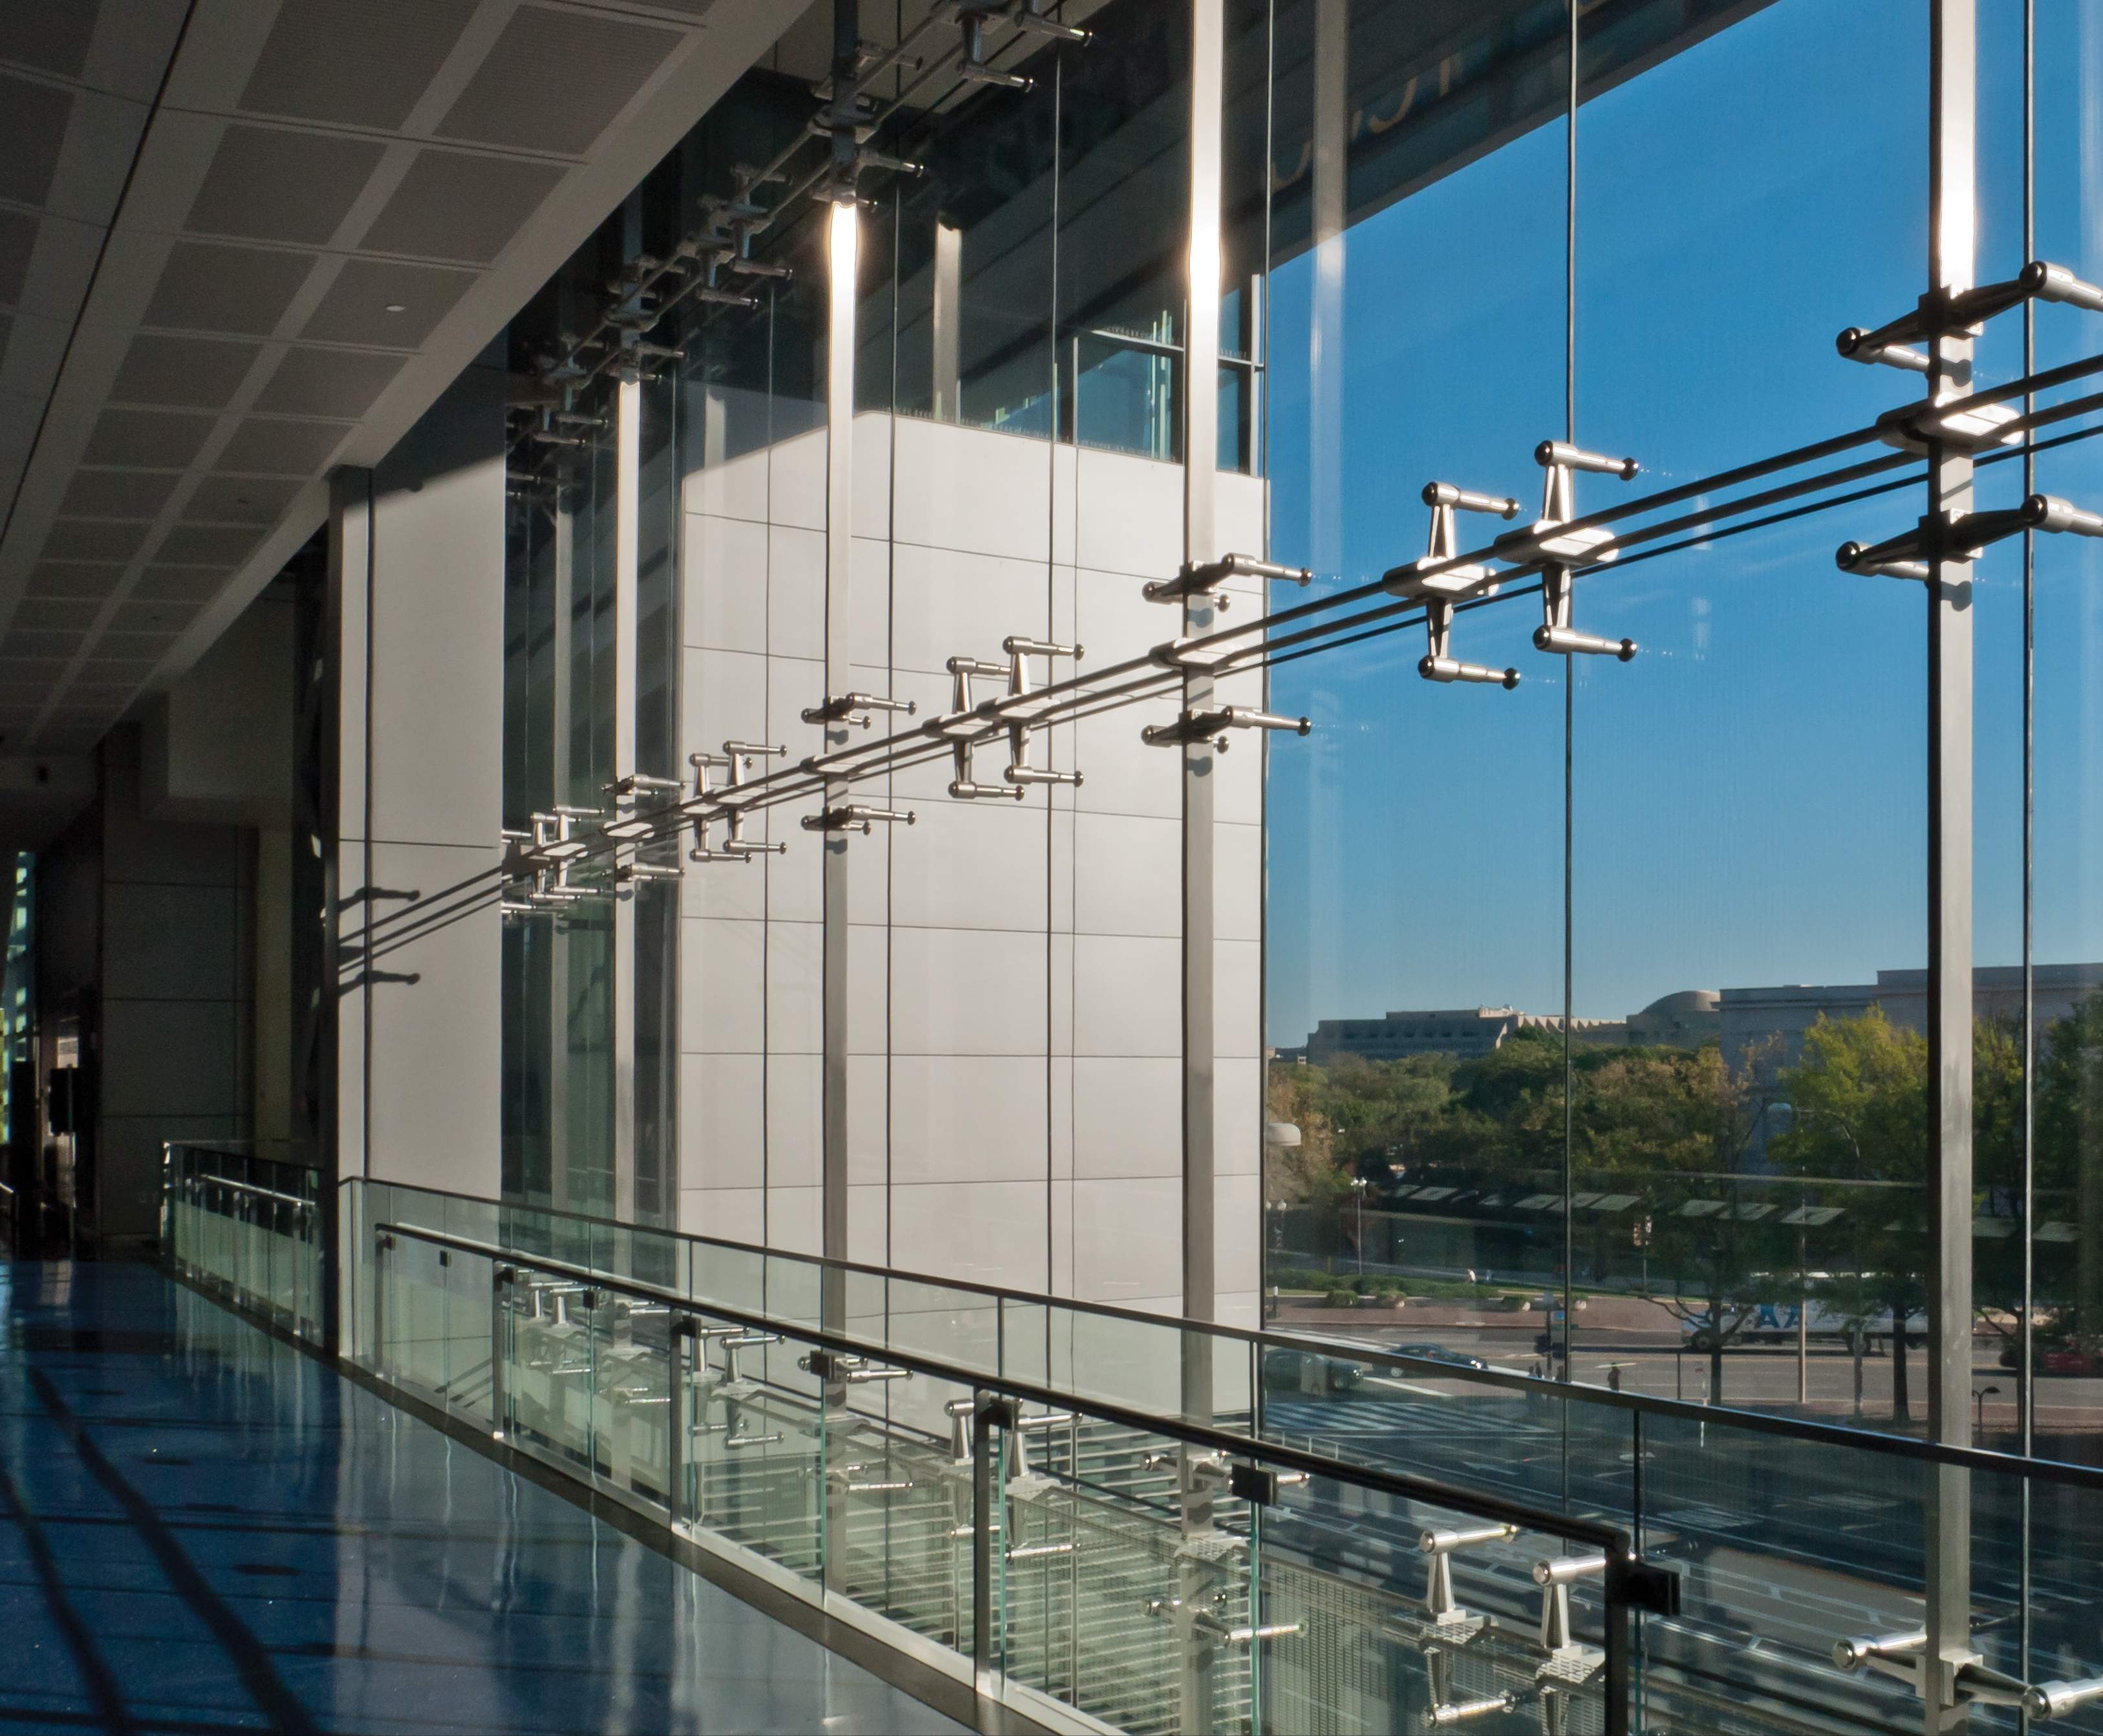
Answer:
(202, 1529)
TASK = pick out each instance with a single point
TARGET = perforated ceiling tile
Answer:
(387, 303)
(200, 545)
(196, 373)
(207, 286)
(454, 207)
(151, 646)
(194, 584)
(32, 124)
(239, 500)
(279, 186)
(40, 644)
(38, 614)
(328, 382)
(117, 494)
(147, 439)
(555, 81)
(159, 615)
(53, 38)
(360, 62)
(264, 447)
(18, 235)
(92, 540)
(74, 578)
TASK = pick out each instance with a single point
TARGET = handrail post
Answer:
(1615, 1683)
(988, 1412)
(499, 1309)
(679, 1436)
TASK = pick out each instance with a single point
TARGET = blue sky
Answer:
(1750, 792)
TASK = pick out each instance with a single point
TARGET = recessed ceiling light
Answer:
(397, 306)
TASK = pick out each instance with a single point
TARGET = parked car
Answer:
(1439, 1353)
(1307, 1371)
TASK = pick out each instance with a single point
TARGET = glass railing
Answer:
(687, 1375)
(248, 1226)
(1029, 1517)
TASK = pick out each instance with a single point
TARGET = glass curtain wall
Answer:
(1596, 1006)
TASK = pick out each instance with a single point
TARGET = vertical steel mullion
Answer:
(562, 651)
(1952, 144)
(621, 976)
(1201, 397)
(1201, 423)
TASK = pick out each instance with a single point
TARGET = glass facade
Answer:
(1616, 1023)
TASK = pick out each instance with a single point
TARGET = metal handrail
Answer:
(1614, 1540)
(1754, 1422)
(249, 1187)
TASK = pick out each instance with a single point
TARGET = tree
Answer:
(1860, 1093)
(1674, 1126)
(2069, 1152)
(1307, 1173)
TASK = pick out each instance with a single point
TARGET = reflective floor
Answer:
(202, 1529)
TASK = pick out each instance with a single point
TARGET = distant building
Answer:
(1466, 1032)
(1773, 1021)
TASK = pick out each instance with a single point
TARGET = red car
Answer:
(2057, 1359)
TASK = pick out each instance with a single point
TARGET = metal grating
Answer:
(209, 287)
(32, 124)
(356, 309)
(358, 63)
(451, 205)
(328, 382)
(271, 183)
(598, 66)
(194, 373)
(274, 448)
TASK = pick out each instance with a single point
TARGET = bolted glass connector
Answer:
(856, 816)
(1204, 578)
(855, 708)
(1212, 725)
(1557, 637)
(1546, 540)
(1939, 536)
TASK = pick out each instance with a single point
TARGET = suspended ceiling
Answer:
(243, 241)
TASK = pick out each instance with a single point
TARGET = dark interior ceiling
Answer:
(243, 241)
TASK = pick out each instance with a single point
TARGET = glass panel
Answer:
(758, 1453)
(1414, 842)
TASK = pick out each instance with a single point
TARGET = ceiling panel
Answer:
(190, 373)
(239, 500)
(18, 235)
(289, 225)
(451, 205)
(118, 493)
(264, 446)
(149, 439)
(388, 303)
(274, 183)
(361, 63)
(209, 287)
(328, 383)
(33, 126)
(93, 540)
(598, 65)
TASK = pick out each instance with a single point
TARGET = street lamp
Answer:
(1359, 1185)
(1803, 1274)
(1979, 1398)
